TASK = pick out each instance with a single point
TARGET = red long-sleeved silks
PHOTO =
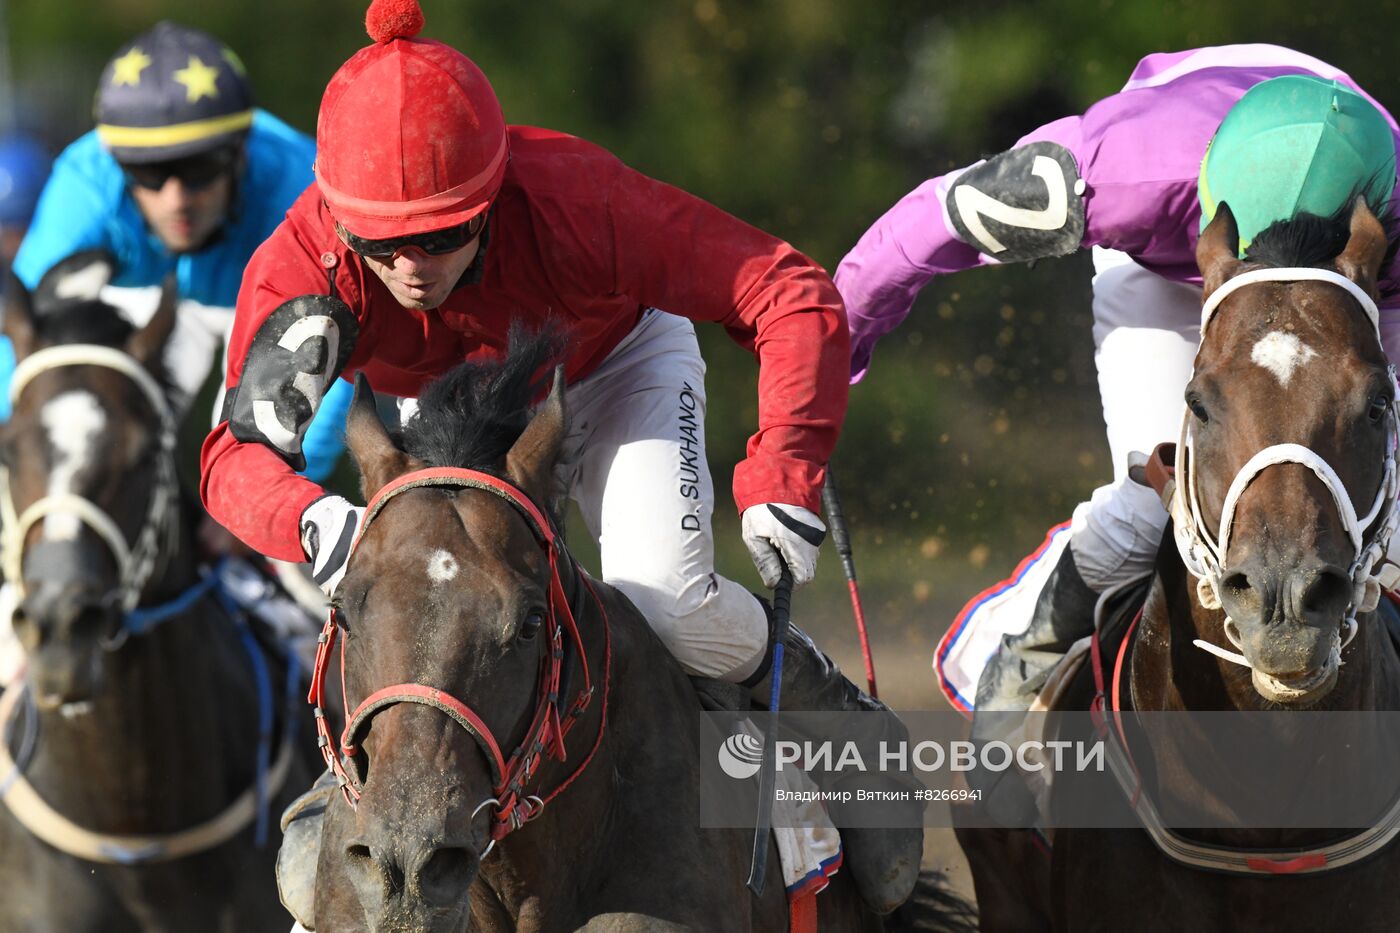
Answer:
(577, 237)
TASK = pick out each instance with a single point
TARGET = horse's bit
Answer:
(548, 728)
(1205, 557)
(136, 562)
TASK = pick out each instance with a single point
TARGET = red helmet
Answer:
(410, 137)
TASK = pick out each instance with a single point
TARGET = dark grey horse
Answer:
(135, 747)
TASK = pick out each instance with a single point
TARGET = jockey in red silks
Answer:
(1273, 133)
(430, 229)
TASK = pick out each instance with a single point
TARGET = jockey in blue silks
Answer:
(182, 174)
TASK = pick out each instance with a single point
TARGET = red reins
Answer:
(548, 728)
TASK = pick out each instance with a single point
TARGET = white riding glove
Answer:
(328, 528)
(774, 530)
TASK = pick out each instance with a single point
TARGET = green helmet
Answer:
(1296, 144)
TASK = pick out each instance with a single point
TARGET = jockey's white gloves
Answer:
(790, 532)
(328, 528)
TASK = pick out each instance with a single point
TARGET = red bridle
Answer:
(548, 729)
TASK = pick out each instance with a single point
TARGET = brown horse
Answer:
(132, 742)
(1283, 503)
(468, 632)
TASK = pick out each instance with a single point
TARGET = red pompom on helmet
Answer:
(393, 19)
(410, 136)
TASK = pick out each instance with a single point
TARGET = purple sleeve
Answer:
(1138, 153)
(908, 246)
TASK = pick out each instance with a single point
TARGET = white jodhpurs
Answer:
(634, 461)
(1146, 330)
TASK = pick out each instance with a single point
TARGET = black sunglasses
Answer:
(434, 242)
(195, 172)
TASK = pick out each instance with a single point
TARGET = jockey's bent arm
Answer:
(1123, 175)
(772, 300)
(250, 487)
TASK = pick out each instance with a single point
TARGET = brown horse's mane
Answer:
(1314, 240)
(470, 417)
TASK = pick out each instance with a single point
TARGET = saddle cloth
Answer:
(1002, 609)
(809, 844)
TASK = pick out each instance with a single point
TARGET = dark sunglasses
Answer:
(434, 242)
(196, 172)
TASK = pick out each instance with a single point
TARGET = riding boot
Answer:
(301, 849)
(1064, 613)
(884, 863)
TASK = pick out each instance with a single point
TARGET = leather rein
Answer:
(512, 804)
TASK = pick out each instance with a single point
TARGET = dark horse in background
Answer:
(1279, 555)
(140, 721)
(448, 617)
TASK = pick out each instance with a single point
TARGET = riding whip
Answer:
(767, 769)
(841, 535)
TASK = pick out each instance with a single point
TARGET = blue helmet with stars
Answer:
(172, 92)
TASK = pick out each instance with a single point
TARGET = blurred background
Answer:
(979, 425)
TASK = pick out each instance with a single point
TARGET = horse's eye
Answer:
(1198, 408)
(534, 619)
(1379, 406)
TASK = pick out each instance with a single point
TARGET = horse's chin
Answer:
(1302, 691)
(67, 686)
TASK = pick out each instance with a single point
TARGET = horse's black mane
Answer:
(1314, 240)
(82, 322)
(470, 417)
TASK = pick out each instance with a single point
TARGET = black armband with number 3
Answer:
(295, 356)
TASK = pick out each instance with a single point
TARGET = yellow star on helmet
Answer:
(199, 80)
(128, 68)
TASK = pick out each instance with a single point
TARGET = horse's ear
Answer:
(79, 277)
(1365, 249)
(1217, 252)
(530, 461)
(369, 443)
(19, 316)
(147, 343)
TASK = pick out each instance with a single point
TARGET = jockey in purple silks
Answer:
(1273, 132)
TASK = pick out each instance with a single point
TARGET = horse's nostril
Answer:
(446, 873)
(1237, 583)
(372, 871)
(1327, 593)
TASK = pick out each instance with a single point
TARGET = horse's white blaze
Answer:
(442, 566)
(74, 420)
(1282, 354)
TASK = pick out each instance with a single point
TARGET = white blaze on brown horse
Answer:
(1292, 479)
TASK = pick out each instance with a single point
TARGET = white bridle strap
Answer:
(17, 528)
(82, 354)
(1297, 453)
(1367, 303)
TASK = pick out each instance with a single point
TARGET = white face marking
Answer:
(442, 566)
(1281, 354)
(74, 420)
